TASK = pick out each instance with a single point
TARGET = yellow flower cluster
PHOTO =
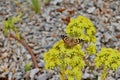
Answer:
(109, 58)
(81, 27)
(68, 60)
(91, 49)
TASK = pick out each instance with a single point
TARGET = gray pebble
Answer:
(41, 64)
(91, 9)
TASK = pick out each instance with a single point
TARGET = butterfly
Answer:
(70, 42)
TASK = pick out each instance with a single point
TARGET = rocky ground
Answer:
(41, 31)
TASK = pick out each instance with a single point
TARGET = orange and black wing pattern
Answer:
(70, 42)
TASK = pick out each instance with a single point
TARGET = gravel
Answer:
(41, 31)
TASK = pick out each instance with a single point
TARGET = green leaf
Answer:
(36, 6)
(9, 25)
(5, 31)
(28, 66)
(5, 24)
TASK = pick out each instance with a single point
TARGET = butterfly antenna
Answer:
(80, 40)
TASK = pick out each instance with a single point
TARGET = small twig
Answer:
(28, 48)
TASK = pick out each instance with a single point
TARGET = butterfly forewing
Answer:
(66, 39)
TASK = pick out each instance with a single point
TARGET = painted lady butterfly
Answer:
(70, 42)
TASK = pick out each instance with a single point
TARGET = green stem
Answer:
(62, 77)
(27, 47)
(104, 74)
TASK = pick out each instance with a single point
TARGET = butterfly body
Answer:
(70, 42)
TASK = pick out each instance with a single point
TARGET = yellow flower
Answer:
(81, 27)
(64, 58)
(109, 58)
(91, 49)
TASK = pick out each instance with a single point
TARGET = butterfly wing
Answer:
(66, 39)
(70, 42)
(75, 42)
